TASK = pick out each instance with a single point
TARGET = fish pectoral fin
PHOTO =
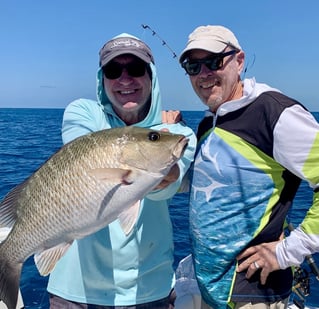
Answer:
(4, 232)
(128, 217)
(114, 175)
(45, 261)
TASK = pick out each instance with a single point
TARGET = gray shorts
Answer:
(57, 302)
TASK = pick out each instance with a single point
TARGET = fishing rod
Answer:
(163, 42)
(248, 66)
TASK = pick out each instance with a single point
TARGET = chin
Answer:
(214, 103)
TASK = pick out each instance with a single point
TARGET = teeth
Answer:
(127, 91)
(205, 86)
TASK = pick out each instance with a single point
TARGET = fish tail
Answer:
(9, 282)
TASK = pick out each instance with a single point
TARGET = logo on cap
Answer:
(125, 43)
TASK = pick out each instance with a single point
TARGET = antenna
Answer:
(163, 42)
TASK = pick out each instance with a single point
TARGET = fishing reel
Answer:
(301, 286)
(301, 283)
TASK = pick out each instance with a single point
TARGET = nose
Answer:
(125, 77)
(204, 70)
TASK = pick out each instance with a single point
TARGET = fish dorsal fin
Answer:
(8, 207)
(46, 260)
(114, 175)
(128, 217)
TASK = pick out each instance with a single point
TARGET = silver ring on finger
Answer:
(256, 265)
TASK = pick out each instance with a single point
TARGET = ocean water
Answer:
(29, 136)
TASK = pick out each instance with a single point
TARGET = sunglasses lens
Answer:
(214, 63)
(113, 70)
(136, 68)
(192, 68)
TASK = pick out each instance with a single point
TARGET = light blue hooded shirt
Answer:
(109, 268)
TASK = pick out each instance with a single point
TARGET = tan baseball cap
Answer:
(213, 39)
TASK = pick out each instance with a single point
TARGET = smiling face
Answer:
(216, 87)
(129, 95)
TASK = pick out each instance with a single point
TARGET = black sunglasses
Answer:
(134, 68)
(193, 67)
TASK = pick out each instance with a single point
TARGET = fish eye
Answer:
(154, 136)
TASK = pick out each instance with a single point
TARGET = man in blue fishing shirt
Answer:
(255, 145)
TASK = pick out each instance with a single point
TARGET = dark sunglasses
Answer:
(193, 67)
(114, 69)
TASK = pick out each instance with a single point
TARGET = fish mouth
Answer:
(180, 147)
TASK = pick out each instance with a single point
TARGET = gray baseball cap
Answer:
(125, 45)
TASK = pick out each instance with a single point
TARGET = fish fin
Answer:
(4, 232)
(8, 206)
(45, 261)
(117, 175)
(9, 282)
(128, 217)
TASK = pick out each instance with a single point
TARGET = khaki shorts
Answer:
(283, 304)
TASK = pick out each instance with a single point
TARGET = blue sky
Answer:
(49, 49)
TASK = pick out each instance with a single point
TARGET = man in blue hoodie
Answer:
(108, 269)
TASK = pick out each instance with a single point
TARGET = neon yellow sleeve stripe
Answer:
(311, 166)
(310, 224)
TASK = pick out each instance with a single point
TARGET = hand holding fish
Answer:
(171, 116)
(261, 257)
(171, 177)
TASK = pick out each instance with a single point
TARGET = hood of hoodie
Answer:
(251, 91)
(154, 116)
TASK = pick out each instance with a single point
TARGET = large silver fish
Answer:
(86, 185)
